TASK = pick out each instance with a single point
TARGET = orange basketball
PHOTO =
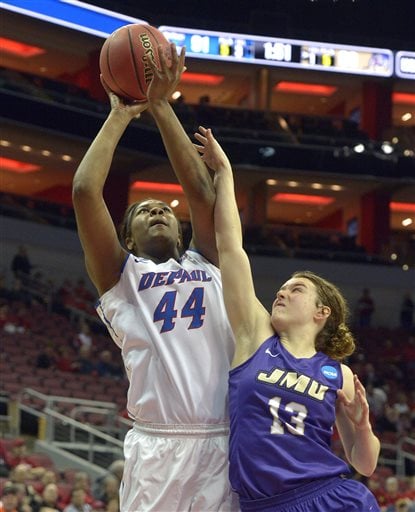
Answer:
(123, 60)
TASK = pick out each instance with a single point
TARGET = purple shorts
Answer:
(329, 495)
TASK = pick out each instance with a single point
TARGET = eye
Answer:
(142, 210)
(167, 209)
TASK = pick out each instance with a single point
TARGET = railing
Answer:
(396, 455)
(98, 445)
(101, 445)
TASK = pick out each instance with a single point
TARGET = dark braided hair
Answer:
(125, 226)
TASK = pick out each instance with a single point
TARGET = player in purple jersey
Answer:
(288, 387)
(163, 307)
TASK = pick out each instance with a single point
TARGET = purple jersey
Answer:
(282, 413)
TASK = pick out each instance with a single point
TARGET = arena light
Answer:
(281, 197)
(19, 49)
(401, 207)
(305, 88)
(152, 186)
(16, 166)
(405, 98)
(202, 78)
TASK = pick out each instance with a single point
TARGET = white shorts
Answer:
(177, 468)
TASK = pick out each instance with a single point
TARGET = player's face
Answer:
(154, 221)
(295, 304)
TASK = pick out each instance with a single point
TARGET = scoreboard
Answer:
(405, 65)
(270, 51)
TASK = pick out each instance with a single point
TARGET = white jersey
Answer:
(170, 322)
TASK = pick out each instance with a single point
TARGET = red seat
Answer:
(40, 460)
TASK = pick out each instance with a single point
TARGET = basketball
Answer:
(124, 56)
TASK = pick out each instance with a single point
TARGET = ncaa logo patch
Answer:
(329, 372)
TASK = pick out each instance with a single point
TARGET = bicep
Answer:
(103, 253)
(243, 308)
(201, 206)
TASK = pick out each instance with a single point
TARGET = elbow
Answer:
(78, 190)
(368, 471)
(81, 191)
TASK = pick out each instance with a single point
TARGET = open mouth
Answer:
(158, 223)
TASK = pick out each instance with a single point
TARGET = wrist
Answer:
(158, 103)
(119, 116)
(364, 427)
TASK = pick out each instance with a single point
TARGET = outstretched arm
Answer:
(352, 419)
(248, 318)
(102, 250)
(190, 170)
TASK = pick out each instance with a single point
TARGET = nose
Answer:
(280, 294)
(156, 210)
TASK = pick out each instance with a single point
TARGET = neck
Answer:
(299, 345)
(161, 257)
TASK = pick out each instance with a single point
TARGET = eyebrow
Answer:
(152, 203)
(299, 283)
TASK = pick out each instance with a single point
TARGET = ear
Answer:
(323, 312)
(179, 242)
(129, 242)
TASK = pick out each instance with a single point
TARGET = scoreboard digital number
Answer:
(292, 53)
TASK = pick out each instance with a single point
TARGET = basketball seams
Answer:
(124, 59)
(137, 74)
(109, 77)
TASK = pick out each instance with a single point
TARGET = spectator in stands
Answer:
(78, 502)
(10, 321)
(114, 505)
(85, 364)
(107, 367)
(402, 505)
(84, 336)
(115, 470)
(63, 298)
(82, 481)
(392, 491)
(49, 477)
(21, 477)
(18, 293)
(10, 501)
(84, 298)
(407, 311)
(408, 358)
(110, 485)
(387, 420)
(49, 498)
(376, 398)
(365, 308)
(16, 456)
(65, 361)
(46, 357)
(21, 265)
(374, 484)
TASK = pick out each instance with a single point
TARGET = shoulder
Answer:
(193, 255)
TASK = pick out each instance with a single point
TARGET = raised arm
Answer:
(248, 318)
(103, 253)
(352, 419)
(190, 170)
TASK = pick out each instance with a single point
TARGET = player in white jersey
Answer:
(164, 309)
